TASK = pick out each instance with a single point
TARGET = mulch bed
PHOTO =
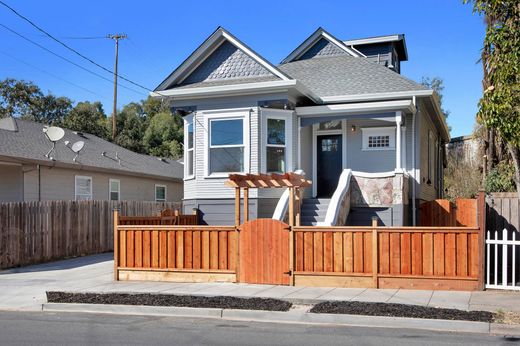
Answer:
(400, 310)
(170, 300)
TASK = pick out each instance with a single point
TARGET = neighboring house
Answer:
(466, 149)
(102, 170)
(331, 105)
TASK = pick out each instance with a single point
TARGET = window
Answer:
(160, 193)
(275, 145)
(114, 186)
(378, 138)
(330, 125)
(431, 157)
(226, 145)
(83, 188)
(329, 144)
(189, 155)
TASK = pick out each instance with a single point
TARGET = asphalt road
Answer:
(30, 328)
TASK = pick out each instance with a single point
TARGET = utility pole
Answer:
(116, 38)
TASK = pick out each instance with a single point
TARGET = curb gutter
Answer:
(298, 314)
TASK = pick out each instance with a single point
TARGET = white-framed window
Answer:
(226, 142)
(160, 193)
(82, 188)
(276, 140)
(114, 189)
(378, 138)
(189, 146)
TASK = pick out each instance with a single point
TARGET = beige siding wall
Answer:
(11, 183)
(58, 184)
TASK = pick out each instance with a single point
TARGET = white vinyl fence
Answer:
(502, 260)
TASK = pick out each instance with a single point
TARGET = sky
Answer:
(443, 38)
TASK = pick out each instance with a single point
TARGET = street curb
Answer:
(299, 314)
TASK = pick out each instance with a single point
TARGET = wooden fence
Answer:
(448, 257)
(444, 213)
(35, 232)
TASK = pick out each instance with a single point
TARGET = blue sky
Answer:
(443, 39)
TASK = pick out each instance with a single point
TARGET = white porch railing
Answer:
(283, 203)
(502, 261)
(339, 206)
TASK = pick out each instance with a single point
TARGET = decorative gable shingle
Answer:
(322, 48)
(226, 62)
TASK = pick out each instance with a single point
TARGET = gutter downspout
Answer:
(414, 185)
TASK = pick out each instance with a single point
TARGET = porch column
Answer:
(398, 119)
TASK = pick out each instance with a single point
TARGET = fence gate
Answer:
(502, 258)
(264, 252)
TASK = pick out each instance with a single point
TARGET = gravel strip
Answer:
(220, 302)
(400, 310)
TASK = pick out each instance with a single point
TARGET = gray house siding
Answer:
(322, 47)
(382, 53)
(11, 183)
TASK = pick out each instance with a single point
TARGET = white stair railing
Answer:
(339, 205)
(283, 203)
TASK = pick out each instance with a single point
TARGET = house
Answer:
(101, 170)
(331, 107)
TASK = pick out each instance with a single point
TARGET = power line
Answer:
(65, 59)
(51, 74)
(70, 48)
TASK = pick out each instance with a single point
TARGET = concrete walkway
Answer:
(24, 288)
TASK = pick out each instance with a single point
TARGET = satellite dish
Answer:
(54, 134)
(76, 147)
(66, 143)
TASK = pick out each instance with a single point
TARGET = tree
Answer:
(24, 99)
(131, 123)
(164, 136)
(499, 107)
(89, 118)
(437, 85)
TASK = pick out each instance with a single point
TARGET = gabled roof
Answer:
(26, 142)
(345, 75)
(318, 39)
(237, 61)
(399, 40)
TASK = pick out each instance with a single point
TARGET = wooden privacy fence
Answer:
(35, 232)
(270, 251)
(444, 213)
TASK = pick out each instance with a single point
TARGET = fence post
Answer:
(481, 217)
(375, 264)
(116, 246)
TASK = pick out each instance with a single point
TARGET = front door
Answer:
(329, 164)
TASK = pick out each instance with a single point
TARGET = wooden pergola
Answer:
(294, 182)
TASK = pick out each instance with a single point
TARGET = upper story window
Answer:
(226, 145)
(275, 145)
(378, 138)
(189, 155)
(160, 193)
(82, 188)
(114, 189)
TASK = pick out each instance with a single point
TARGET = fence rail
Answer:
(35, 232)
(502, 271)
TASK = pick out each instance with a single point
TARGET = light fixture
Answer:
(353, 128)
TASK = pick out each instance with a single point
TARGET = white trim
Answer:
(165, 192)
(377, 96)
(376, 174)
(398, 140)
(240, 113)
(287, 116)
(187, 120)
(355, 108)
(76, 185)
(370, 40)
(312, 39)
(110, 181)
(378, 131)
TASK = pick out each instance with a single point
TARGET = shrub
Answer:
(501, 178)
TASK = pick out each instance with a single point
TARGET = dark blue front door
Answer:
(329, 164)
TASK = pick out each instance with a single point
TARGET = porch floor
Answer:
(24, 288)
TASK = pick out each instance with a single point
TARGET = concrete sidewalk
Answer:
(24, 288)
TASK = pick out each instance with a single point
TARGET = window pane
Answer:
(160, 193)
(275, 159)
(379, 141)
(189, 162)
(83, 186)
(227, 132)
(114, 186)
(329, 144)
(226, 159)
(276, 131)
(331, 125)
(190, 135)
(114, 196)
(83, 197)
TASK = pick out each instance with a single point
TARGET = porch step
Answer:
(313, 210)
